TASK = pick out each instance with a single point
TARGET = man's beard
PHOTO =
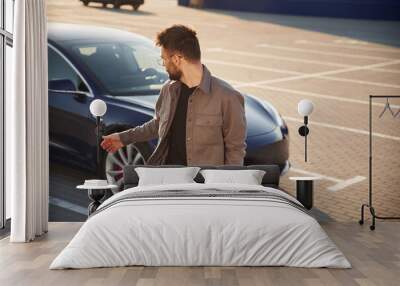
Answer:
(175, 74)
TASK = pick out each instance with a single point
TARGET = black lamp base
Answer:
(303, 130)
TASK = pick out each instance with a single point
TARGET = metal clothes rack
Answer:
(369, 205)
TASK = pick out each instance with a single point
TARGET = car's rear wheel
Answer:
(114, 163)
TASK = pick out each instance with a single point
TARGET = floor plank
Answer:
(375, 257)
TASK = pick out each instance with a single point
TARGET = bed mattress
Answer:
(201, 225)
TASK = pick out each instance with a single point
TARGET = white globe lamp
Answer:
(305, 107)
(98, 108)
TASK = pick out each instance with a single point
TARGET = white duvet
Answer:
(200, 231)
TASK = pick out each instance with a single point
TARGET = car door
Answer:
(71, 127)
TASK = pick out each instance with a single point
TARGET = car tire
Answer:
(135, 153)
(85, 2)
(135, 7)
(104, 5)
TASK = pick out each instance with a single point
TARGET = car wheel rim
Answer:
(115, 163)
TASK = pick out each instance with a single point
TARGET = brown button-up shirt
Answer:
(215, 124)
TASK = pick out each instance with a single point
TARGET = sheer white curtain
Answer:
(27, 142)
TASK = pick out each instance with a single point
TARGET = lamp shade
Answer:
(305, 107)
(98, 107)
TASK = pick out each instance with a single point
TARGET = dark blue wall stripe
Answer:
(362, 9)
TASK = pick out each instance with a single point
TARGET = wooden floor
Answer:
(375, 257)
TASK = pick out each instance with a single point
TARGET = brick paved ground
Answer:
(334, 62)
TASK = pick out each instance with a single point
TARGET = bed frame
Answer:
(270, 179)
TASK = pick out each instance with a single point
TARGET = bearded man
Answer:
(199, 119)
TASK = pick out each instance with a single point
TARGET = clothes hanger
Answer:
(387, 106)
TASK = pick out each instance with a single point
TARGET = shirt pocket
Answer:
(208, 129)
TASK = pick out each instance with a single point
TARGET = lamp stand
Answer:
(98, 141)
(303, 131)
(99, 195)
(305, 137)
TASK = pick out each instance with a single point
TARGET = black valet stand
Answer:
(369, 205)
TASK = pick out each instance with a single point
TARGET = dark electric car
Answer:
(123, 69)
(116, 3)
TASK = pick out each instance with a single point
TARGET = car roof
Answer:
(64, 33)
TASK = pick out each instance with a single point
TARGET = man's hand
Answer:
(111, 143)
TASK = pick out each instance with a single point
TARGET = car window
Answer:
(60, 69)
(144, 56)
(123, 68)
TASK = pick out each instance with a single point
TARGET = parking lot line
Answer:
(197, 23)
(308, 173)
(316, 75)
(251, 67)
(317, 95)
(162, 25)
(349, 46)
(342, 128)
(385, 70)
(346, 183)
(359, 81)
(292, 59)
(68, 205)
(319, 52)
(340, 184)
(143, 24)
(188, 22)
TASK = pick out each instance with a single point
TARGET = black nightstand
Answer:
(304, 190)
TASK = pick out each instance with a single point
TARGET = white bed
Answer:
(184, 230)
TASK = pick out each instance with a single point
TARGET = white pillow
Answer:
(162, 176)
(248, 177)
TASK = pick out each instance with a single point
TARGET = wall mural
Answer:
(106, 73)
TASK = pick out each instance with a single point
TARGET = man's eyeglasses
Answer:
(161, 60)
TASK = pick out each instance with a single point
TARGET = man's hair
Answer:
(179, 38)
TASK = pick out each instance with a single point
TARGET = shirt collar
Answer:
(205, 83)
